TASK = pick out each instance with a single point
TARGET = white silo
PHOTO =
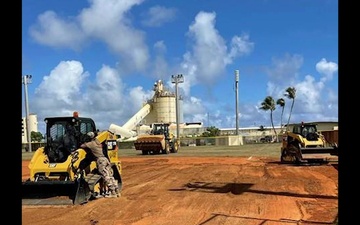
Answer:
(165, 107)
(33, 123)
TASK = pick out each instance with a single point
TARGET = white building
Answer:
(33, 125)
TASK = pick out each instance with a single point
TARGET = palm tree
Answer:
(269, 104)
(281, 102)
(290, 94)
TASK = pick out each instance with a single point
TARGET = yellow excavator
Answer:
(62, 173)
(160, 140)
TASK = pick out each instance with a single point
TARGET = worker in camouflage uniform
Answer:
(103, 165)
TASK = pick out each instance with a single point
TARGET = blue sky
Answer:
(102, 57)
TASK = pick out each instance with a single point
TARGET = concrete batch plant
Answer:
(161, 108)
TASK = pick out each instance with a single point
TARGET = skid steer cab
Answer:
(63, 173)
(304, 144)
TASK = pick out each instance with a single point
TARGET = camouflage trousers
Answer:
(107, 173)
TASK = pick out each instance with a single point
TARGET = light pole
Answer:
(177, 79)
(236, 100)
(27, 80)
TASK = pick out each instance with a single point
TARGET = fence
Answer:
(331, 136)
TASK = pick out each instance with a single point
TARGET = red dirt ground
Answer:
(205, 191)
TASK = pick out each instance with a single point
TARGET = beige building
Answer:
(254, 134)
(323, 126)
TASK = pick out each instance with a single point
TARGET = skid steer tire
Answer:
(292, 154)
(286, 158)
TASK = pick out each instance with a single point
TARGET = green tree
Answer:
(261, 128)
(211, 132)
(290, 94)
(281, 103)
(269, 104)
(36, 136)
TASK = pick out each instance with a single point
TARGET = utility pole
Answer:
(236, 101)
(27, 80)
(208, 119)
(177, 79)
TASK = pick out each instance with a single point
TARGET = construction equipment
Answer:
(306, 145)
(63, 173)
(160, 140)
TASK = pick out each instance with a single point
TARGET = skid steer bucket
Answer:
(55, 192)
(324, 150)
(319, 153)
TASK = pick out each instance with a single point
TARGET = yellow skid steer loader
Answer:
(61, 172)
(304, 144)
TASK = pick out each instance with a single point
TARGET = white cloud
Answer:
(308, 96)
(158, 15)
(209, 49)
(137, 96)
(326, 68)
(104, 20)
(240, 46)
(285, 69)
(56, 32)
(209, 57)
(189, 69)
(193, 106)
(107, 21)
(63, 83)
(59, 92)
(106, 90)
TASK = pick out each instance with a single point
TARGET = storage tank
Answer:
(165, 108)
